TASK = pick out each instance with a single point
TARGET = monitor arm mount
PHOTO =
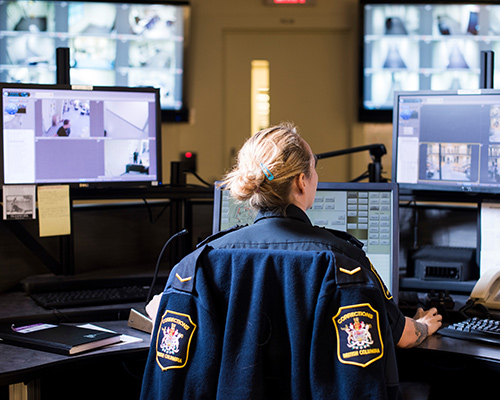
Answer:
(374, 168)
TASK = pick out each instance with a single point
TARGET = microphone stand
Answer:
(140, 320)
(376, 153)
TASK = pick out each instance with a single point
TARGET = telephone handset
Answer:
(487, 290)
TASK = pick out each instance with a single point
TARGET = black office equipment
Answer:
(91, 297)
(63, 66)
(475, 329)
(132, 43)
(67, 292)
(374, 173)
(487, 70)
(368, 211)
(444, 263)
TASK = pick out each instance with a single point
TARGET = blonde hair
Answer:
(266, 166)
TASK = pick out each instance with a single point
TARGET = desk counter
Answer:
(19, 364)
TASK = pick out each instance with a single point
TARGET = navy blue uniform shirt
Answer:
(280, 309)
(272, 230)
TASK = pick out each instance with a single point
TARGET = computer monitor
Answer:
(368, 211)
(111, 43)
(447, 141)
(421, 45)
(83, 136)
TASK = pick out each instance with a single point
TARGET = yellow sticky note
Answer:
(54, 210)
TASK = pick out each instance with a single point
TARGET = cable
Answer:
(199, 178)
(151, 219)
(364, 175)
(415, 224)
(180, 233)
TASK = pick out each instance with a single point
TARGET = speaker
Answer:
(445, 263)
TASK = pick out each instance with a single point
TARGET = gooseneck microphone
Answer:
(139, 320)
(165, 246)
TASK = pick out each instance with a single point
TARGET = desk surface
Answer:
(459, 347)
(19, 364)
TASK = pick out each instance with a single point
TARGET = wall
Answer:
(123, 238)
(205, 132)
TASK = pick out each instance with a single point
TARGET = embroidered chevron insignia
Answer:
(346, 271)
(183, 279)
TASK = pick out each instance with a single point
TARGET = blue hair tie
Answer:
(266, 171)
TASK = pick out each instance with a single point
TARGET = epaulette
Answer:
(183, 274)
(220, 234)
(347, 237)
(348, 271)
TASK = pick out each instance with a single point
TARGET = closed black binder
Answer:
(61, 339)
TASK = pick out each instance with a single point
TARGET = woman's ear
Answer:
(301, 183)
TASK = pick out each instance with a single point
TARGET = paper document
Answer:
(490, 237)
(54, 210)
(125, 339)
(18, 202)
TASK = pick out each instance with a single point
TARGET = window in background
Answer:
(260, 98)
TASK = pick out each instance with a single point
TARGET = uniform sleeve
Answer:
(396, 318)
(352, 342)
(184, 355)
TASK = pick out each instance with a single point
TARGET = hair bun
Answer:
(245, 186)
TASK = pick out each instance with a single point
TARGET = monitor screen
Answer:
(131, 43)
(85, 136)
(368, 211)
(421, 45)
(447, 141)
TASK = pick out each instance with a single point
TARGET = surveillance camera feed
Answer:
(111, 44)
(422, 45)
(55, 135)
(448, 140)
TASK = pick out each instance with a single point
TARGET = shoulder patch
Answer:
(173, 340)
(359, 341)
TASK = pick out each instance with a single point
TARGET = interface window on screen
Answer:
(65, 136)
(449, 141)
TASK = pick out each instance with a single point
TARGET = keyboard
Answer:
(475, 329)
(91, 297)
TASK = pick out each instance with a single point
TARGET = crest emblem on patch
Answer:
(170, 342)
(358, 335)
(173, 340)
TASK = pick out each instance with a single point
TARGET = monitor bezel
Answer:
(91, 184)
(342, 186)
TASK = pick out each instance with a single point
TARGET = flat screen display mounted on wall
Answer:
(132, 43)
(419, 45)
